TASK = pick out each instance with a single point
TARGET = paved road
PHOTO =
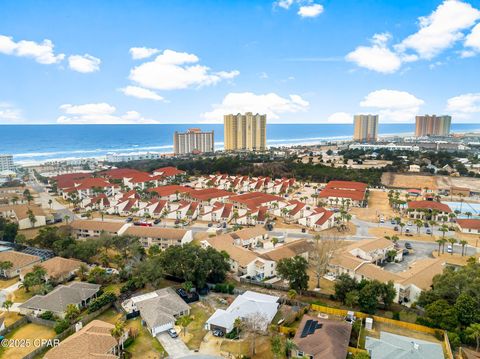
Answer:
(175, 347)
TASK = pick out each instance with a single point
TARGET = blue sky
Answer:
(299, 61)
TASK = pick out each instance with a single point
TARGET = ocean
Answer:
(31, 144)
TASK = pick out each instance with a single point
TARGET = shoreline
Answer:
(312, 141)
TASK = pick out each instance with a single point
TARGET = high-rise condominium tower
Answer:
(245, 132)
(6, 163)
(432, 125)
(194, 140)
(366, 128)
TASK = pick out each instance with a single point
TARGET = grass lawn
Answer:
(144, 346)
(199, 313)
(110, 316)
(114, 287)
(5, 283)
(243, 347)
(20, 295)
(29, 331)
(10, 317)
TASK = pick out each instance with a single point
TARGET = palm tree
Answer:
(419, 224)
(289, 346)
(50, 203)
(66, 218)
(7, 305)
(31, 217)
(401, 224)
(117, 332)
(439, 241)
(463, 243)
(443, 241)
(443, 229)
(452, 241)
(184, 321)
(468, 214)
(473, 332)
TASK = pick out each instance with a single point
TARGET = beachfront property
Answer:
(432, 125)
(365, 128)
(6, 163)
(193, 141)
(245, 132)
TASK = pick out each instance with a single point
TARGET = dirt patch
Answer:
(401, 180)
(28, 332)
(378, 206)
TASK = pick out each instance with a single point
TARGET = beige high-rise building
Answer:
(245, 132)
(432, 125)
(365, 128)
(194, 140)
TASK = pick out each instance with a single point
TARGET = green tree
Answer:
(467, 309)
(473, 333)
(7, 304)
(344, 285)
(5, 266)
(294, 270)
(277, 346)
(442, 314)
(117, 332)
(72, 313)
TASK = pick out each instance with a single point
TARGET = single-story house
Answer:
(159, 309)
(247, 305)
(58, 269)
(20, 261)
(393, 346)
(92, 341)
(319, 338)
(470, 225)
(78, 293)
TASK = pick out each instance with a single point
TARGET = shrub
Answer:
(438, 334)
(48, 315)
(224, 288)
(61, 326)
(104, 299)
(454, 340)
(128, 342)
(409, 317)
(396, 315)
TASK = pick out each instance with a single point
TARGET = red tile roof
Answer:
(469, 223)
(254, 199)
(347, 185)
(326, 215)
(353, 195)
(208, 194)
(169, 190)
(429, 205)
(68, 179)
(169, 171)
(120, 173)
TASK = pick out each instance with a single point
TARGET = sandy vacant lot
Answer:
(377, 206)
(398, 180)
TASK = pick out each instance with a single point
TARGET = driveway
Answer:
(175, 347)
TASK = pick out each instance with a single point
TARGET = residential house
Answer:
(89, 187)
(20, 262)
(159, 309)
(57, 269)
(209, 195)
(318, 219)
(57, 301)
(393, 346)
(94, 340)
(345, 193)
(470, 225)
(319, 338)
(27, 216)
(162, 237)
(428, 210)
(247, 305)
(171, 192)
(82, 229)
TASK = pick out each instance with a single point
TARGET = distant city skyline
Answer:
(298, 61)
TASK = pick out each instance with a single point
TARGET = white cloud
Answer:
(140, 92)
(472, 41)
(43, 52)
(441, 29)
(465, 106)
(377, 57)
(139, 53)
(84, 63)
(437, 32)
(270, 104)
(9, 113)
(340, 117)
(98, 113)
(393, 105)
(284, 3)
(312, 10)
(173, 70)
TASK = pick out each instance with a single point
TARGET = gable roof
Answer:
(57, 266)
(429, 205)
(471, 223)
(328, 342)
(63, 295)
(288, 250)
(18, 260)
(111, 227)
(156, 232)
(92, 341)
(161, 307)
(169, 171)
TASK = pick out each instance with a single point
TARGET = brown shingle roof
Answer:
(58, 266)
(21, 210)
(112, 227)
(18, 260)
(155, 232)
(288, 250)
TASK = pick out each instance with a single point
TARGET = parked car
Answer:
(129, 219)
(408, 245)
(395, 228)
(382, 220)
(449, 249)
(428, 231)
(172, 333)
(303, 230)
(217, 333)
(157, 221)
(210, 224)
(350, 317)
(393, 221)
(405, 252)
(409, 223)
(426, 224)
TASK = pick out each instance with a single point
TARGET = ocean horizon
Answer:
(33, 144)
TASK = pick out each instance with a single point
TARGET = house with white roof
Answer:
(247, 305)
